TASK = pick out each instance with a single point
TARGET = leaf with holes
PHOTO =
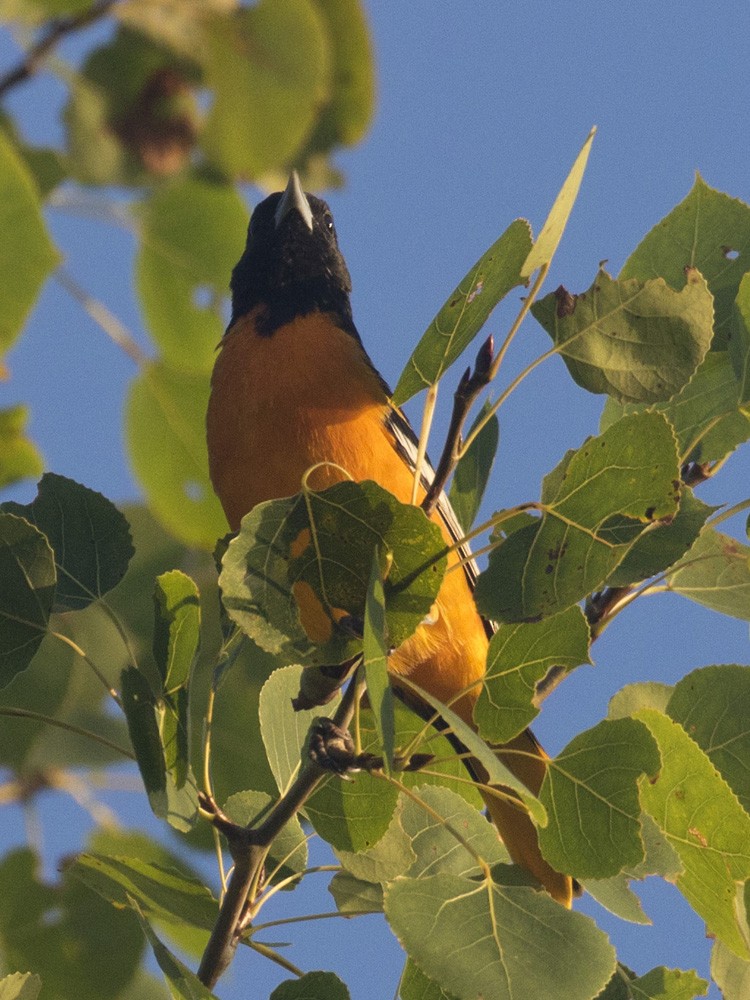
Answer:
(90, 537)
(296, 577)
(594, 506)
(639, 342)
(708, 231)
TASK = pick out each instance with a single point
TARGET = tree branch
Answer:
(469, 387)
(249, 847)
(54, 31)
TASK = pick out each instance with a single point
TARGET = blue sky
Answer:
(482, 106)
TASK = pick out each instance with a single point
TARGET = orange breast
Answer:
(306, 395)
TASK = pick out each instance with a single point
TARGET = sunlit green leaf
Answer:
(551, 233)
(352, 895)
(709, 231)
(519, 658)
(27, 589)
(739, 340)
(594, 505)
(390, 857)
(415, 985)
(295, 578)
(177, 628)
(663, 545)
(90, 537)
(28, 254)
(165, 429)
(192, 234)
(267, 95)
(497, 942)
(715, 572)
(633, 697)
(19, 458)
(706, 825)
(711, 705)
(464, 314)
(668, 984)
(591, 796)
(20, 986)
(639, 342)
(706, 414)
(730, 972)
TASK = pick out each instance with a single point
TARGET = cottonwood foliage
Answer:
(117, 644)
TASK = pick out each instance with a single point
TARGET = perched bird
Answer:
(293, 387)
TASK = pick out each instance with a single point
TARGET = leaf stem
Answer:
(424, 434)
(113, 693)
(23, 713)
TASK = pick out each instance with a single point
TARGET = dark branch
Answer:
(54, 31)
(468, 389)
(249, 847)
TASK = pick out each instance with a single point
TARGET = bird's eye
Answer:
(329, 223)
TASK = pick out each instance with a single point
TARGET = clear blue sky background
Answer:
(482, 106)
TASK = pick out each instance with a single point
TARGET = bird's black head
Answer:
(292, 264)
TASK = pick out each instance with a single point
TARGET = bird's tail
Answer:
(526, 759)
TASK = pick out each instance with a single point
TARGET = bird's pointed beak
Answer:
(294, 199)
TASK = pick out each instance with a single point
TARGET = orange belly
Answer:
(276, 410)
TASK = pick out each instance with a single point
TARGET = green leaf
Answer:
(615, 894)
(704, 822)
(192, 233)
(549, 238)
(20, 986)
(519, 658)
(64, 932)
(312, 986)
(473, 471)
(183, 984)
(709, 231)
(375, 662)
(711, 706)
(633, 697)
(591, 796)
(706, 414)
(283, 729)
(176, 629)
(390, 857)
(434, 845)
(287, 855)
(165, 430)
(668, 984)
(661, 547)
(19, 458)
(296, 576)
(27, 586)
(495, 274)
(739, 339)
(416, 986)
(163, 893)
(595, 504)
(352, 895)
(495, 941)
(640, 342)
(715, 573)
(90, 537)
(497, 772)
(171, 791)
(345, 118)
(730, 972)
(28, 254)
(267, 94)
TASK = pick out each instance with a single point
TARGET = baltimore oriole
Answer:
(293, 387)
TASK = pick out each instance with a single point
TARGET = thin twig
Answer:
(23, 713)
(54, 31)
